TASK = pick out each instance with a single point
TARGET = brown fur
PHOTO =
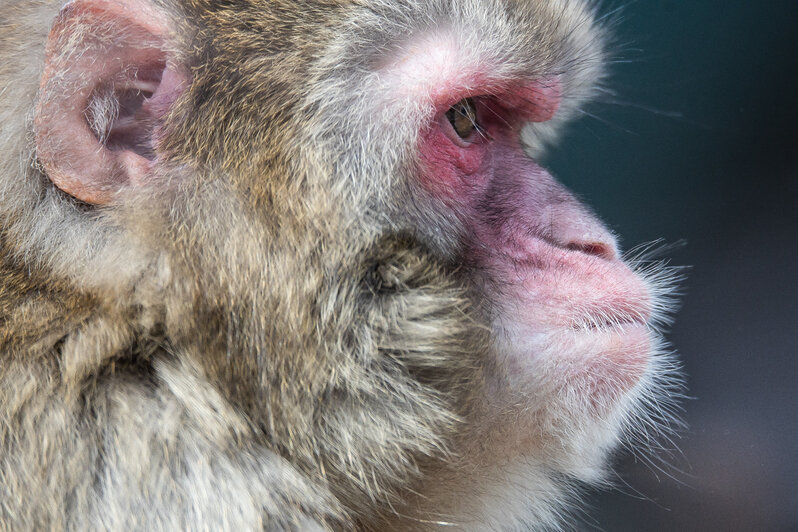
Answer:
(266, 336)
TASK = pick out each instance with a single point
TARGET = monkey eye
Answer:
(463, 118)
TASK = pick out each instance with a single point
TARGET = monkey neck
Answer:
(34, 311)
(61, 334)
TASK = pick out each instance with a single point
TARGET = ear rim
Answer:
(68, 151)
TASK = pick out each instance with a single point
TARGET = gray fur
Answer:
(275, 333)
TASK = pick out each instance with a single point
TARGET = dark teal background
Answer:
(702, 146)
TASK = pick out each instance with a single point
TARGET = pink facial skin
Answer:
(569, 312)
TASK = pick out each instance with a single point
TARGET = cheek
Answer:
(454, 174)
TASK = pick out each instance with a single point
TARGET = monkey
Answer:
(294, 265)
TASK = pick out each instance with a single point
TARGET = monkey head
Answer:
(332, 216)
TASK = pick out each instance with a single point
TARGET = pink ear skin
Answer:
(112, 50)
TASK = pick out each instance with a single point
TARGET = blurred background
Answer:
(702, 146)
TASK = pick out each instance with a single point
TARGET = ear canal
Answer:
(107, 85)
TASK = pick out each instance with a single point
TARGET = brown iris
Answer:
(463, 117)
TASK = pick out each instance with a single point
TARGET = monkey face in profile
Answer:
(294, 265)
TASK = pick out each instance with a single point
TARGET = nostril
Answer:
(596, 248)
(572, 226)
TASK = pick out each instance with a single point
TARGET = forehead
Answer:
(415, 45)
(424, 49)
(432, 63)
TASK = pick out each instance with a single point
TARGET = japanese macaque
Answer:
(292, 265)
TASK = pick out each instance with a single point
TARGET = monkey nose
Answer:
(577, 229)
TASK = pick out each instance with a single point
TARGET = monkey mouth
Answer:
(606, 322)
(625, 305)
(615, 318)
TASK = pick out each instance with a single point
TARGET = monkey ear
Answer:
(108, 83)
